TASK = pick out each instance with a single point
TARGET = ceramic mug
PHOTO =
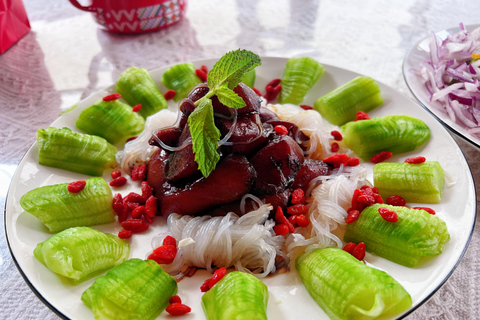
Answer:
(135, 16)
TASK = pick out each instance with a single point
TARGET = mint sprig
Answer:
(225, 75)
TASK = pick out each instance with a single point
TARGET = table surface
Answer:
(66, 58)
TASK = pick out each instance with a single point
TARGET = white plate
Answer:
(414, 57)
(288, 297)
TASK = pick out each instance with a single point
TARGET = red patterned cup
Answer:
(135, 16)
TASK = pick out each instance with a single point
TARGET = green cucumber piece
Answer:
(81, 253)
(342, 104)
(415, 235)
(249, 78)
(299, 76)
(76, 152)
(137, 87)
(395, 133)
(181, 78)
(237, 296)
(58, 209)
(134, 290)
(346, 288)
(112, 120)
(422, 183)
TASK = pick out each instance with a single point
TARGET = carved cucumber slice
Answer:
(60, 209)
(181, 78)
(112, 120)
(237, 296)
(342, 104)
(416, 234)
(346, 288)
(81, 253)
(395, 133)
(134, 290)
(249, 78)
(137, 87)
(76, 152)
(422, 183)
(299, 76)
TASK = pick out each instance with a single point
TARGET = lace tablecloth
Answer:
(66, 58)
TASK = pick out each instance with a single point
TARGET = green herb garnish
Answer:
(225, 75)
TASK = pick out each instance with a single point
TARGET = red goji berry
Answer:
(281, 130)
(201, 75)
(378, 198)
(276, 91)
(76, 186)
(130, 206)
(116, 174)
(166, 253)
(175, 299)
(281, 229)
(135, 197)
(204, 68)
(118, 182)
(124, 234)
(257, 91)
(355, 196)
(138, 212)
(122, 216)
(416, 160)
(352, 216)
(169, 241)
(131, 139)
(365, 200)
(274, 82)
(337, 136)
(349, 247)
(146, 190)
(336, 159)
(135, 225)
(217, 276)
(142, 172)
(395, 201)
(306, 107)
(375, 190)
(112, 97)
(362, 116)
(302, 220)
(359, 251)
(352, 162)
(388, 215)
(280, 218)
(151, 206)
(297, 209)
(429, 210)
(293, 220)
(178, 309)
(137, 108)
(298, 196)
(170, 94)
(117, 204)
(334, 147)
(381, 156)
(205, 286)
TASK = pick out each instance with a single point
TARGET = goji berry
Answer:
(175, 299)
(293, 220)
(375, 190)
(166, 253)
(217, 276)
(429, 210)
(122, 216)
(352, 162)
(118, 182)
(416, 160)
(130, 206)
(205, 286)
(280, 218)
(395, 201)
(298, 196)
(365, 200)
(381, 156)
(281, 130)
(336, 159)
(378, 198)
(134, 197)
(297, 209)
(302, 220)
(76, 186)
(169, 241)
(170, 94)
(204, 68)
(306, 107)
(142, 172)
(257, 91)
(355, 196)
(135, 225)
(201, 75)
(337, 136)
(281, 229)
(178, 309)
(274, 82)
(116, 174)
(117, 204)
(124, 234)
(138, 212)
(334, 147)
(352, 216)
(151, 206)
(112, 97)
(137, 108)
(349, 247)
(359, 251)
(362, 116)
(388, 215)
(146, 190)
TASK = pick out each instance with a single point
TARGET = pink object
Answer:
(135, 16)
(14, 23)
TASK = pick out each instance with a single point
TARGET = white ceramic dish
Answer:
(288, 297)
(420, 52)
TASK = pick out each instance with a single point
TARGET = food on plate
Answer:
(298, 78)
(181, 78)
(237, 295)
(346, 288)
(81, 253)
(422, 182)
(394, 133)
(135, 289)
(342, 104)
(415, 235)
(137, 87)
(249, 78)
(451, 76)
(59, 209)
(76, 152)
(112, 120)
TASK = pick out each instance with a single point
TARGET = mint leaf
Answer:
(231, 68)
(205, 136)
(229, 98)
